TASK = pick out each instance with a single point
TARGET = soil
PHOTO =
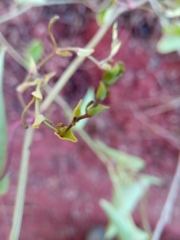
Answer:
(67, 180)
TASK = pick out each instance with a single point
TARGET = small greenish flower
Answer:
(66, 135)
(38, 120)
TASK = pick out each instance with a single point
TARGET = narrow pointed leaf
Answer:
(124, 159)
(101, 92)
(77, 110)
(115, 32)
(115, 48)
(87, 98)
(96, 110)
(113, 75)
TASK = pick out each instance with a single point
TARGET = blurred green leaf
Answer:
(124, 159)
(134, 191)
(168, 44)
(77, 110)
(4, 185)
(87, 98)
(172, 29)
(113, 75)
(35, 50)
(115, 32)
(96, 110)
(3, 121)
(101, 92)
(125, 226)
(111, 231)
(172, 13)
(104, 16)
(115, 48)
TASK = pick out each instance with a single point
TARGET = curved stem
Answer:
(24, 112)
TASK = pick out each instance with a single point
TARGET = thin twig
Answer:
(155, 127)
(14, 54)
(14, 13)
(21, 189)
(175, 103)
(167, 211)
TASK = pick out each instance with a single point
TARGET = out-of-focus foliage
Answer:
(129, 185)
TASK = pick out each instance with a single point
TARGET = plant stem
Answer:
(45, 60)
(14, 54)
(24, 112)
(21, 188)
(167, 210)
(14, 13)
(78, 60)
(49, 126)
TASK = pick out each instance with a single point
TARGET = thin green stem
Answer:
(50, 126)
(37, 104)
(21, 188)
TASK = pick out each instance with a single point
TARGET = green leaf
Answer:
(104, 16)
(101, 92)
(96, 110)
(133, 192)
(113, 75)
(77, 110)
(168, 44)
(87, 98)
(126, 229)
(115, 32)
(122, 158)
(3, 121)
(173, 13)
(69, 136)
(111, 231)
(115, 48)
(172, 29)
(4, 185)
(35, 50)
